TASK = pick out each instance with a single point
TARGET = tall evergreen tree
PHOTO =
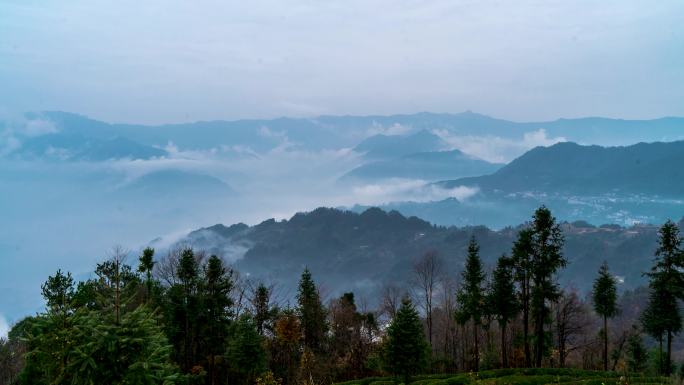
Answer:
(216, 312)
(406, 350)
(522, 261)
(471, 297)
(312, 314)
(604, 297)
(504, 302)
(636, 354)
(547, 259)
(654, 317)
(145, 267)
(246, 351)
(58, 292)
(667, 286)
(188, 275)
(263, 312)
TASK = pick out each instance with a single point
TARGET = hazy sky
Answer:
(164, 61)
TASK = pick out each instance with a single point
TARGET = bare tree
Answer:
(447, 303)
(391, 299)
(426, 274)
(570, 316)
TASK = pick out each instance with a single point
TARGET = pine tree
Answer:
(636, 354)
(312, 314)
(246, 351)
(652, 318)
(58, 292)
(471, 296)
(146, 265)
(188, 275)
(216, 312)
(604, 297)
(503, 300)
(547, 259)
(667, 286)
(522, 261)
(263, 312)
(405, 350)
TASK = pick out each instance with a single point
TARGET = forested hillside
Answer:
(187, 317)
(360, 252)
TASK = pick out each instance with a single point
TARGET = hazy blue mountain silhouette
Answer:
(424, 165)
(643, 168)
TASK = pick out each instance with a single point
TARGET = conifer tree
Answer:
(667, 287)
(522, 261)
(188, 277)
(547, 259)
(471, 297)
(246, 351)
(216, 312)
(605, 304)
(406, 350)
(636, 354)
(146, 265)
(503, 300)
(312, 314)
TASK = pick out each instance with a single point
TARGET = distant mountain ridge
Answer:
(328, 132)
(643, 168)
(360, 251)
(433, 165)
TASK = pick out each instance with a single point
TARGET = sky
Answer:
(160, 61)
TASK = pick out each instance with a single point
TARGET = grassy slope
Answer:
(521, 377)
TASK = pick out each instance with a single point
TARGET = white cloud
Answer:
(394, 129)
(497, 149)
(396, 190)
(37, 127)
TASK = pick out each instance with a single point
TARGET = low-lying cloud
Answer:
(497, 149)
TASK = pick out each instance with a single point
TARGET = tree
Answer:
(522, 261)
(58, 292)
(471, 297)
(570, 318)
(405, 349)
(188, 276)
(263, 312)
(216, 311)
(636, 353)
(547, 259)
(604, 297)
(667, 286)
(504, 303)
(312, 314)
(146, 265)
(427, 270)
(246, 351)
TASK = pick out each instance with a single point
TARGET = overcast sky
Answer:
(158, 61)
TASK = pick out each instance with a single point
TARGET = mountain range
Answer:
(361, 251)
(643, 168)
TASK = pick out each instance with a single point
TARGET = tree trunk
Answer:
(660, 354)
(668, 364)
(605, 343)
(526, 325)
(539, 343)
(477, 349)
(504, 355)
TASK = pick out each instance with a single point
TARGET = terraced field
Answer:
(523, 377)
